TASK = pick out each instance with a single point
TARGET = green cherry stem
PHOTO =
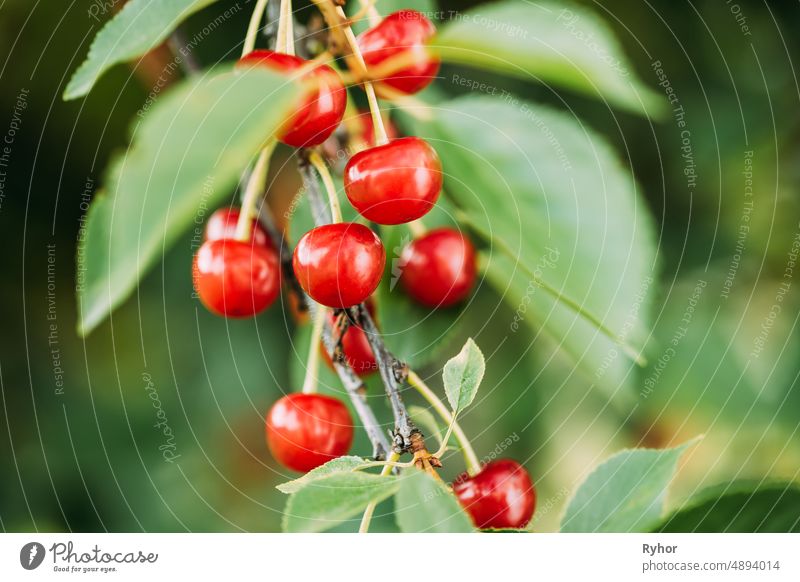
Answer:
(285, 40)
(322, 169)
(367, 9)
(312, 363)
(370, 509)
(252, 28)
(377, 121)
(253, 192)
(417, 228)
(470, 458)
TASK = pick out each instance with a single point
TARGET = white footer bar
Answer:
(353, 558)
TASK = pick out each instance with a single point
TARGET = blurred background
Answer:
(82, 442)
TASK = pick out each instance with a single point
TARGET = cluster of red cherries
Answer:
(340, 265)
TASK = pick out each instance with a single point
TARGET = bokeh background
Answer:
(79, 449)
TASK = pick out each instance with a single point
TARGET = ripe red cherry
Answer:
(305, 431)
(405, 30)
(394, 183)
(339, 265)
(356, 348)
(500, 496)
(364, 120)
(235, 278)
(439, 268)
(222, 224)
(320, 112)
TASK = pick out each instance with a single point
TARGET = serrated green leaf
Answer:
(560, 44)
(339, 465)
(739, 507)
(425, 505)
(425, 420)
(462, 376)
(553, 197)
(626, 493)
(187, 154)
(138, 28)
(326, 502)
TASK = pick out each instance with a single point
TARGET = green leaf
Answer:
(565, 45)
(711, 362)
(138, 28)
(462, 375)
(187, 155)
(338, 465)
(326, 502)
(552, 197)
(739, 507)
(425, 505)
(625, 493)
(425, 420)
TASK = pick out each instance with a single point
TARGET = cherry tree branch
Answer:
(357, 392)
(177, 41)
(331, 341)
(285, 256)
(392, 371)
(394, 374)
(406, 437)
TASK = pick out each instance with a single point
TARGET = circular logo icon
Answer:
(31, 555)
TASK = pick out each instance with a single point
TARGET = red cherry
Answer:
(356, 347)
(305, 431)
(339, 265)
(364, 119)
(439, 268)
(235, 278)
(222, 224)
(394, 183)
(320, 112)
(405, 30)
(500, 496)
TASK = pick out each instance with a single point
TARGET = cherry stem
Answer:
(322, 169)
(285, 41)
(253, 192)
(252, 28)
(285, 252)
(377, 121)
(387, 68)
(312, 363)
(391, 464)
(177, 43)
(446, 439)
(367, 9)
(370, 509)
(470, 458)
(417, 228)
